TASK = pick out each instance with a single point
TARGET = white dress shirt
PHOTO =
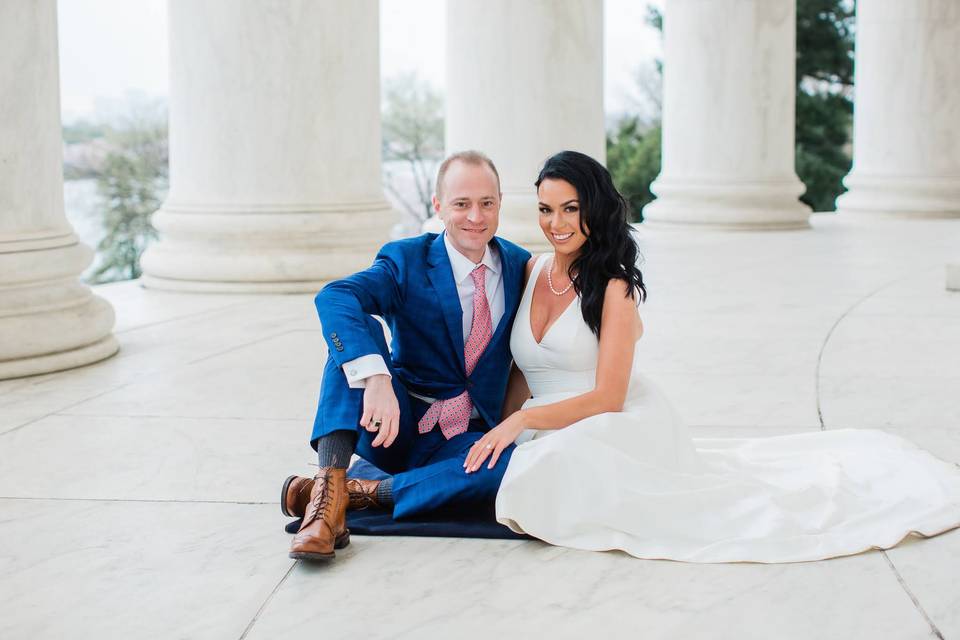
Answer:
(357, 371)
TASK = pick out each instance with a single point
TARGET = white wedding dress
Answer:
(636, 481)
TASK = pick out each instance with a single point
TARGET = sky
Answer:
(113, 51)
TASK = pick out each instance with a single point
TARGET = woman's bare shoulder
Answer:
(530, 264)
(620, 304)
(617, 289)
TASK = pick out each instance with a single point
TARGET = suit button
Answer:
(339, 348)
(333, 335)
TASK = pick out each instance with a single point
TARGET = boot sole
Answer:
(339, 543)
(283, 498)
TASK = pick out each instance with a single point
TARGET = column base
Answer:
(727, 206)
(269, 250)
(901, 196)
(433, 224)
(48, 363)
(49, 321)
(519, 222)
(953, 276)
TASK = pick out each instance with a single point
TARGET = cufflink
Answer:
(353, 372)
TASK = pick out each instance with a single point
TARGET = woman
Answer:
(619, 470)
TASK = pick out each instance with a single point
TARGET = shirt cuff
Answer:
(357, 371)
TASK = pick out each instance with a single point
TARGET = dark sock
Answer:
(385, 492)
(335, 448)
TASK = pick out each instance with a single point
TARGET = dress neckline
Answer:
(532, 285)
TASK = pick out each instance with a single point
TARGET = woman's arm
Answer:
(620, 328)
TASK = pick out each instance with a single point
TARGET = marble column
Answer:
(524, 81)
(728, 117)
(275, 179)
(906, 120)
(48, 320)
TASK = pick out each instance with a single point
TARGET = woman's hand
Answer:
(494, 442)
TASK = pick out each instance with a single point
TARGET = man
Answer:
(414, 410)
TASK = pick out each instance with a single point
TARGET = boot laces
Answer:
(361, 498)
(324, 497)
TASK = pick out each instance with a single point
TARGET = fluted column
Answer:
(274, 146)
(48, 319)
(524, 80)
(906, 119)
(728, 117)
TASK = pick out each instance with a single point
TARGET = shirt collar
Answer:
(463, 266)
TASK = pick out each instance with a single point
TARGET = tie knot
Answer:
(478, 276)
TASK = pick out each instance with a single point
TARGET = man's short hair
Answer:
(475, 158)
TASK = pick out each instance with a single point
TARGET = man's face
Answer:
(469, 206)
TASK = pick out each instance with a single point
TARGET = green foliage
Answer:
(131, 184)
(83, 142)
(654, 17)
(84, 131)
(825, 41)
(412, 127)
(822, 159)
(824, 109)
(633, 146)
(633, 158)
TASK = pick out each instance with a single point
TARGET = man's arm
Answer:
(357, 371)
(343, 307)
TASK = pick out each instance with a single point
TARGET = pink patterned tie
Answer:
(453, 414)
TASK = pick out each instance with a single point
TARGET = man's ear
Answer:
(436, 204)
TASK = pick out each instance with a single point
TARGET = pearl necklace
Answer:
(550, 282)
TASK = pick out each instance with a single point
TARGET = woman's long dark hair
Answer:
(610, 250)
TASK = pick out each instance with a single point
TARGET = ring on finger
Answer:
(489, 446)
(377, 423)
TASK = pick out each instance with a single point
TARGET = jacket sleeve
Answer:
(344, 305)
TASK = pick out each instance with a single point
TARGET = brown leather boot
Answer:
(363, 494)
(295, 495)
(324, 525)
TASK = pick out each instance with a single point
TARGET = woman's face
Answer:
(560, 216)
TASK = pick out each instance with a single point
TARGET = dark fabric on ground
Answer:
(448, 523)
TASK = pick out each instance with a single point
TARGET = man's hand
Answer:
(380, 406)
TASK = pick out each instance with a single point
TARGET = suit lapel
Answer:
(440, 274)
(511, 290)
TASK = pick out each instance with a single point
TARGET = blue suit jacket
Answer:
(410, 285)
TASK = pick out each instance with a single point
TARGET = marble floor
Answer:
(138, 495)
